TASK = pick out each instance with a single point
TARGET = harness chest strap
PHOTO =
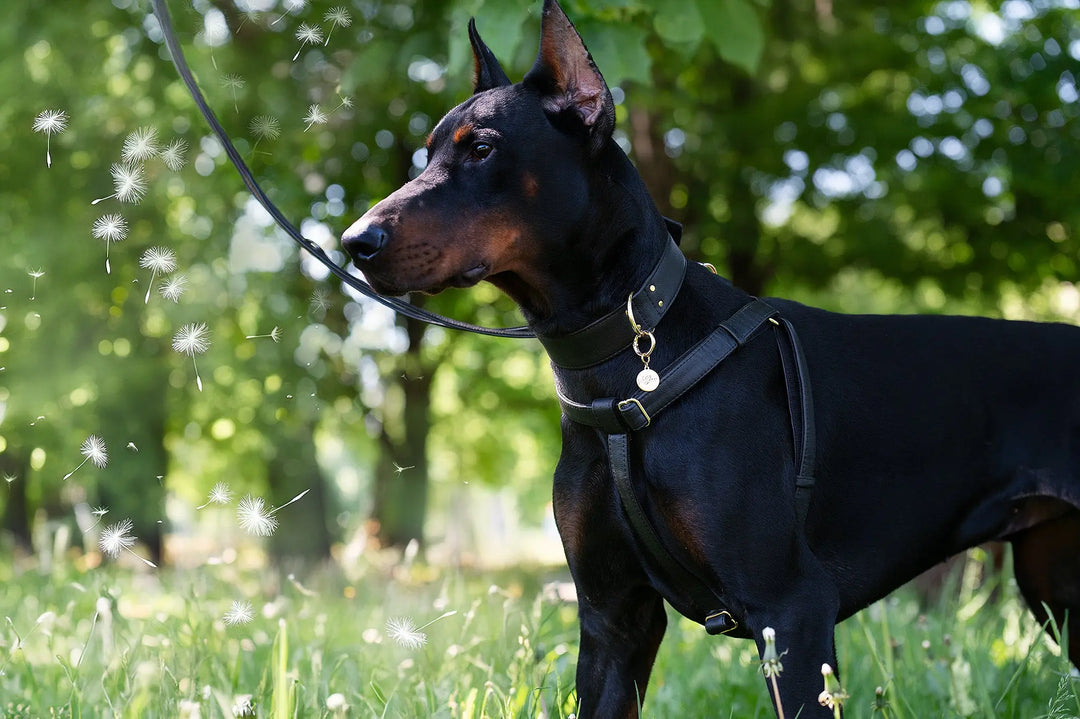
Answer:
(620, 418)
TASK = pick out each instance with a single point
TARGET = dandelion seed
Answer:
(160, 261)
(117, 538)
(219, 494)
(9, 478)
(253, 517)
(140, 146)
(291, 6)
(174, 155)
(36, 274)
(337, 17)
(129, 183)
(307, 34)
(264, 127)
(275, 334)
(319, 301)
(93, 450)
(51, 122)
(240, 613)
(399, 469)
(336, 704)
(315, 116)
(234, 83)
(346, 102)
(132, 447)
(192, 340)
(174, 287)
(405, 632)
(110, 228)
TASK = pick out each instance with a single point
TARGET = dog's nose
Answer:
(365, 241)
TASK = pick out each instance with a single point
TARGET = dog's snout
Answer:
(364, 241)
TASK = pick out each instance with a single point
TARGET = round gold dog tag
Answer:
(648, 380)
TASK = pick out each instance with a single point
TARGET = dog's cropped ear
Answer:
(487, 72)
(568, 79)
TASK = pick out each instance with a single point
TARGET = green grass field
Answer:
(126, 641)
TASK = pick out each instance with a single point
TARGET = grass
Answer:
(123, 641)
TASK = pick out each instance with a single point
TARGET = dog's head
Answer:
(505, 177)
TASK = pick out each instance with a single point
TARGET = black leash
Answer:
(398, 305)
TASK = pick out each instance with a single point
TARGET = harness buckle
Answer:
(720, 623)
(636, 403)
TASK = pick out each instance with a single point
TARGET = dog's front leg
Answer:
(619, 640)
(804, 642)
(622, 617)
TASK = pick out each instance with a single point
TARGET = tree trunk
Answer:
(303, 535)
(15, 519)
(401, 479)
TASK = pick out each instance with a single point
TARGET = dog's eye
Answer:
(480, 150)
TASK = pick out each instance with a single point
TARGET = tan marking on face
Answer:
(462, 132)
(530, 184)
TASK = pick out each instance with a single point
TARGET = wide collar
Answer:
(614, 332)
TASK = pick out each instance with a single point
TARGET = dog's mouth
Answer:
(395, 287)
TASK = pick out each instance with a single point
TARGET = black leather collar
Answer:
(611, 334)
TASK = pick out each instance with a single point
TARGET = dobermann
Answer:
(805, 463)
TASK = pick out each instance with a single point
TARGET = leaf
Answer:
(736, 31)
(678, 22)
(618, 50)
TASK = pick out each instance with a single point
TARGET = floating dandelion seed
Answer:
(337, 17)
(307, 34)
(160, 261)
(99, 513)
(405, 632)
(9, 478)
(234, 83)
(140, 146)
(110, 228)
(219, 494)
(319, 301)
(93, 450)
(174, 287)
(264, 127)
(275, 334)
(399, 469)
(174, 155)
(240, 613)
(129, 183)
(51, 122)
(315, 116)
(36, 274)
(117, 538)
(255, 519)
(192, 340)
(291, 6)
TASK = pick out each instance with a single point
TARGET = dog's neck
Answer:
(603, 259)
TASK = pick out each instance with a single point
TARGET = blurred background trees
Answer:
(905, 156)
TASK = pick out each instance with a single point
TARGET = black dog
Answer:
(927, 435)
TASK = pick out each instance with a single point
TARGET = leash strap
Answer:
(161, 10)
(619, 419)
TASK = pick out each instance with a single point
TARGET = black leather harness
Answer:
(620, 418)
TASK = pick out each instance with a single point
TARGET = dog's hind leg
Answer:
(1046, 562)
